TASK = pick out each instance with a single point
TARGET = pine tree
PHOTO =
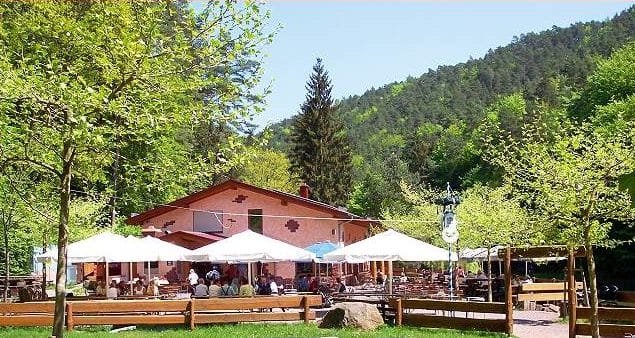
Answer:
(320, 152)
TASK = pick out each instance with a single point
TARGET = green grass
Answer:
(251, 330)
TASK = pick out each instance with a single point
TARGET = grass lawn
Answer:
(251, 330)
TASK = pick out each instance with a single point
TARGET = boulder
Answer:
(353, 314)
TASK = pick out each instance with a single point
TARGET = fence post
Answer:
(573, 298)
(305, 302)
(69, 317)
(509, 306)
(399, 313)
(190, 307)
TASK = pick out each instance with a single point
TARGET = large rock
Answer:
(354, 314)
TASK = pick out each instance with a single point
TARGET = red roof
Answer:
(234, 184)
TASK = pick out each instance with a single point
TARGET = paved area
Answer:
(539, 324)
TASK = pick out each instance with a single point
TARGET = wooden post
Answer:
(373, 270)
(573, 298)
(399, 313)
(509, 306)
(190, 307)
(69, 317)
(305, 302)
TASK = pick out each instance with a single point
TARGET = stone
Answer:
(353, 314)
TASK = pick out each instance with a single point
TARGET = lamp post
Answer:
(449, 228)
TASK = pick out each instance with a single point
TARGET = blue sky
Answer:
(368, 44)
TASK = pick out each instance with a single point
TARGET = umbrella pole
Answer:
(390, 277)
(130, 270)
(107, 277)
(249, 277)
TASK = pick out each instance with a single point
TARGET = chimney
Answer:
(304, 190)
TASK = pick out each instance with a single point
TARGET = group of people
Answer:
(215, 285)
(140, 288)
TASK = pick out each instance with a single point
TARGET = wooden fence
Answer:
(619, 316)
(447, 318)
(160, 312)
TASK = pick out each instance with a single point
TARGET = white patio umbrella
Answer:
(153, 249)
(390, 246)
(102, 248)
(250, 247)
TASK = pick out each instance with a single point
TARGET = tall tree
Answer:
(81, 78)
(320, 153)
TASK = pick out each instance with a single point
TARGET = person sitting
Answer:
(314, 285)
(153, 287)
(273, 286)
(235, 285)
(246, 290)
(123, 288)
(403, 278)
(113, 290)
(201, 289)
(527, 280)
(380, 278)
(100, 290)
(226, 289)
(139, 290)
(264, 287)
(303, 285)
(481, 275)
(214, 289)
(341, 287)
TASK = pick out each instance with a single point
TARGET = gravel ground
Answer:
(540, 324)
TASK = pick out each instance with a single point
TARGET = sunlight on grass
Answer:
(252, 330)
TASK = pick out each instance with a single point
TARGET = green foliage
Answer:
(614, 80)
(320, 154)
(269, 169)
(494, 216)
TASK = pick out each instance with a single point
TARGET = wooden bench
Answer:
(449, 321)
(543, 292)
(625, 299)
(232, 310)
(605, 315)
(27, 314)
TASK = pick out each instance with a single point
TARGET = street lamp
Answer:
(449, 228)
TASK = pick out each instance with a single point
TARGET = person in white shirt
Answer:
(113, 290)
(192, 277)
(274, 286)
(201, 289)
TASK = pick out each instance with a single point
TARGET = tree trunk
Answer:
(6, 261)
(489, 275)
(62, 240)
(595, 327)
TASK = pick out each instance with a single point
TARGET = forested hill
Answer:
(539, 65)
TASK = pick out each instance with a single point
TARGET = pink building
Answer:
(233, 206)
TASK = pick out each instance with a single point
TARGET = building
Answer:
(232, 206)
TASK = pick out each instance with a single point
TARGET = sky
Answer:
(367, 44)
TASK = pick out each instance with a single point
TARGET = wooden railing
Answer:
(160, 312)
(447, 318)
(618, 315)
(544, 292)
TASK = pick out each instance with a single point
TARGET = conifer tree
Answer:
(320, 153)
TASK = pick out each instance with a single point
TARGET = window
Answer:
(154, 265)
(255, 220)
(211, 221)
